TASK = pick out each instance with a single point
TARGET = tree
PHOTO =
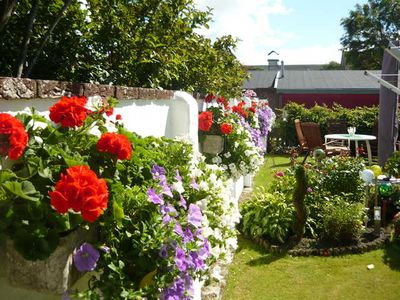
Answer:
(368, 30)
(6, 9)
(148, 43)
(332, 65)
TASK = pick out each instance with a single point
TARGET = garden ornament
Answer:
(367, 176)
(376, 169)
(385, 189)
(318, 154)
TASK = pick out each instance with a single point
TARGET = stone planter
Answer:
(213, 144)
(248, 180)
(53, 275)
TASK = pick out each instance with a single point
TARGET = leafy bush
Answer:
(342, 221)
(392, 165)
(340, 175)
(363, 118)
(268, 216)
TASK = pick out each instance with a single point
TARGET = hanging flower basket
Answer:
(213, 144)
(53, 275)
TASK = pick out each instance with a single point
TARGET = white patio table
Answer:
(355, 138)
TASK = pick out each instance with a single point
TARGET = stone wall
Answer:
(23, 88)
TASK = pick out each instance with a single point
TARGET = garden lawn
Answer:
(255, 274)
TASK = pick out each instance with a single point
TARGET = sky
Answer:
(300, 31)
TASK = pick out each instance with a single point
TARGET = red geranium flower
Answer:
(70, 112)
(209, 98)
(13, 137)
(205, 120)
(114, 143)
(81, 190)
(118, 117)
(226, 128)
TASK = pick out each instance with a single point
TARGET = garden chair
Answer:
(313, 138)
(300, 136)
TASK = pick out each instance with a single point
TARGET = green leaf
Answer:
(24, 189)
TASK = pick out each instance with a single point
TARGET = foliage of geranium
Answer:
(58, 182)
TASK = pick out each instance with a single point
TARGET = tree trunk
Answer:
(6, 9)
(27, 39)
(47, 36)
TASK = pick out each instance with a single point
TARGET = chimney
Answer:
(273, 60)
(273, 64)
(282, 69)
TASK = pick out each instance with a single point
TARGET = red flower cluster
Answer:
(81, 190)
(221, 100)
(205, 120)
(240, 110)
(70, 112)
(13, 137)
(114, 143)
(226, 128)
(253, 107)
(209, 98)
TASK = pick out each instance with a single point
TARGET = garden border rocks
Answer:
(377, 243)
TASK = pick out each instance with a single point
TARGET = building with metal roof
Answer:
(309, 84)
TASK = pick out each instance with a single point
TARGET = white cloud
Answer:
(311, 54)
(249, 21)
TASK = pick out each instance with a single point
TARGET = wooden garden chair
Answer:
(300, 136)
(312, 135)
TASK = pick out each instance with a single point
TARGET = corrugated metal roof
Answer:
(260, 79)
(327, 80)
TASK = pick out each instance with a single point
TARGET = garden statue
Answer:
(298, 201)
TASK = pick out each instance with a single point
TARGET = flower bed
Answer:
(164, 216)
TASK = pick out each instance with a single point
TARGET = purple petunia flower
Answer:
(86, 257)
(195, 261)
(166, 188)
(181, 289)
(164, 251)
(182, 202)
(195, 185)
(154, 197)
(195, 216)
(169, 212)
(204, 251)
(178, 176)
(180, 259)
(157, 172)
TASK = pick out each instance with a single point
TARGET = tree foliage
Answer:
(368, 30)
(150, 43)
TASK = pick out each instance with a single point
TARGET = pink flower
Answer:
(279, 174)
(309, 190)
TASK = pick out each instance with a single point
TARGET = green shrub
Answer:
(268, 216)
(341, 175)
(392, 165)
(342, 222)
(363, 118)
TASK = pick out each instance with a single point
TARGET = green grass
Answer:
(272, 164)
(255, 274)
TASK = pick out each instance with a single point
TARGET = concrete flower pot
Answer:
(248, 180)
(53, 275)
(213, 144)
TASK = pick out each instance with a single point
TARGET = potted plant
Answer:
(57, 188)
